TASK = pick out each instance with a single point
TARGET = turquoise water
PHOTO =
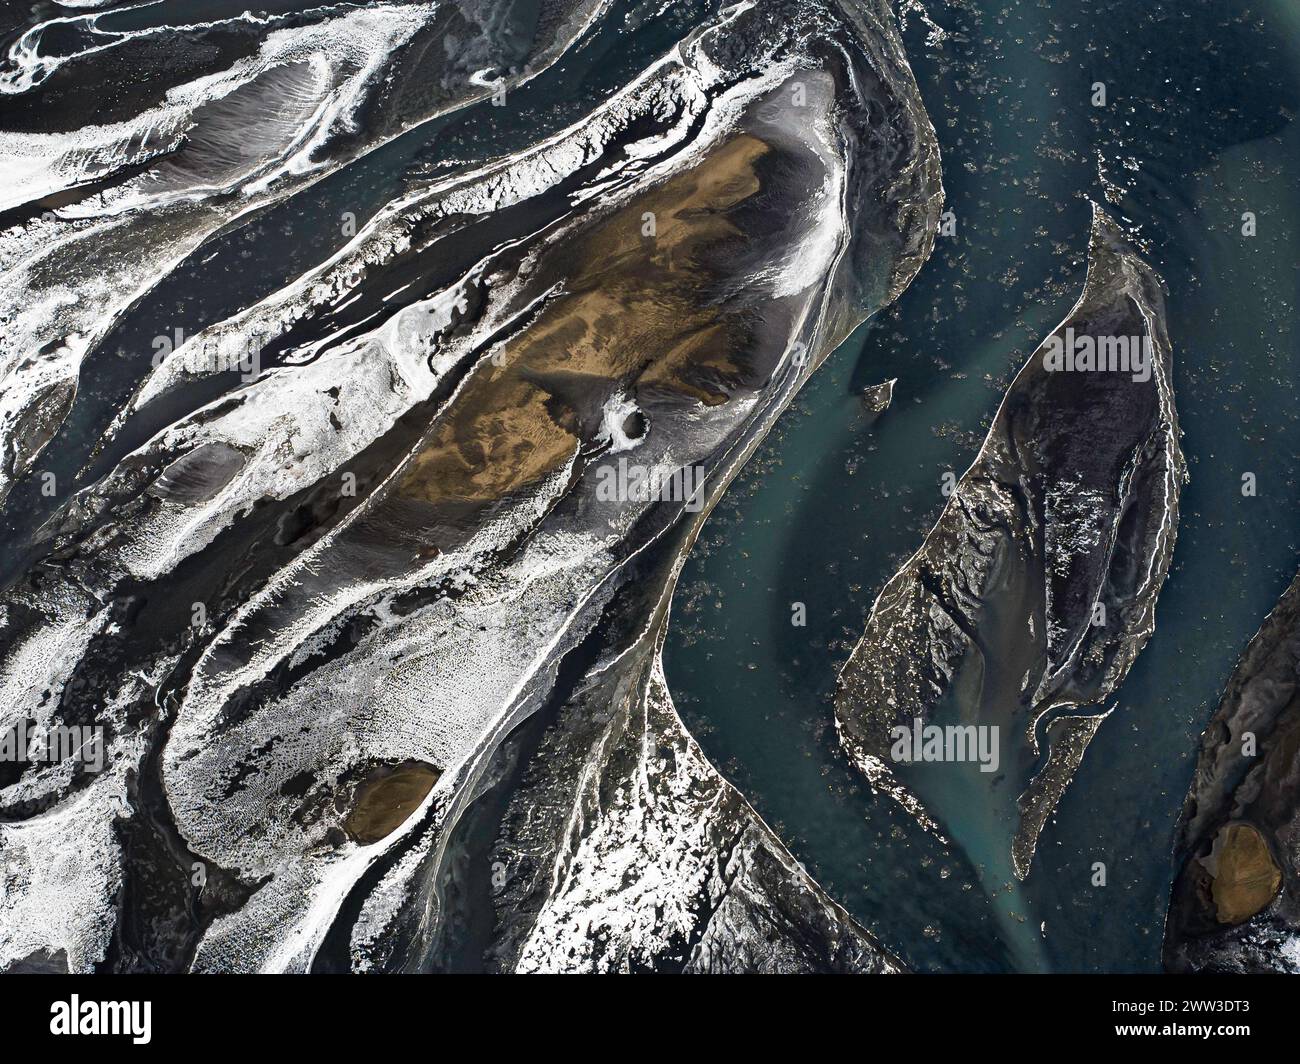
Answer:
(1198, 128)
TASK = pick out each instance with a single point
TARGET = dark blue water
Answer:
(1198, 127)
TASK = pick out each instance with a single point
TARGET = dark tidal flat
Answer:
(594, 486)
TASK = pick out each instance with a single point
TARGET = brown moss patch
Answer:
(1246, 879)
(386, 798)
(634, 309)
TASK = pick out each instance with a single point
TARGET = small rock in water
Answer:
(879, 396)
